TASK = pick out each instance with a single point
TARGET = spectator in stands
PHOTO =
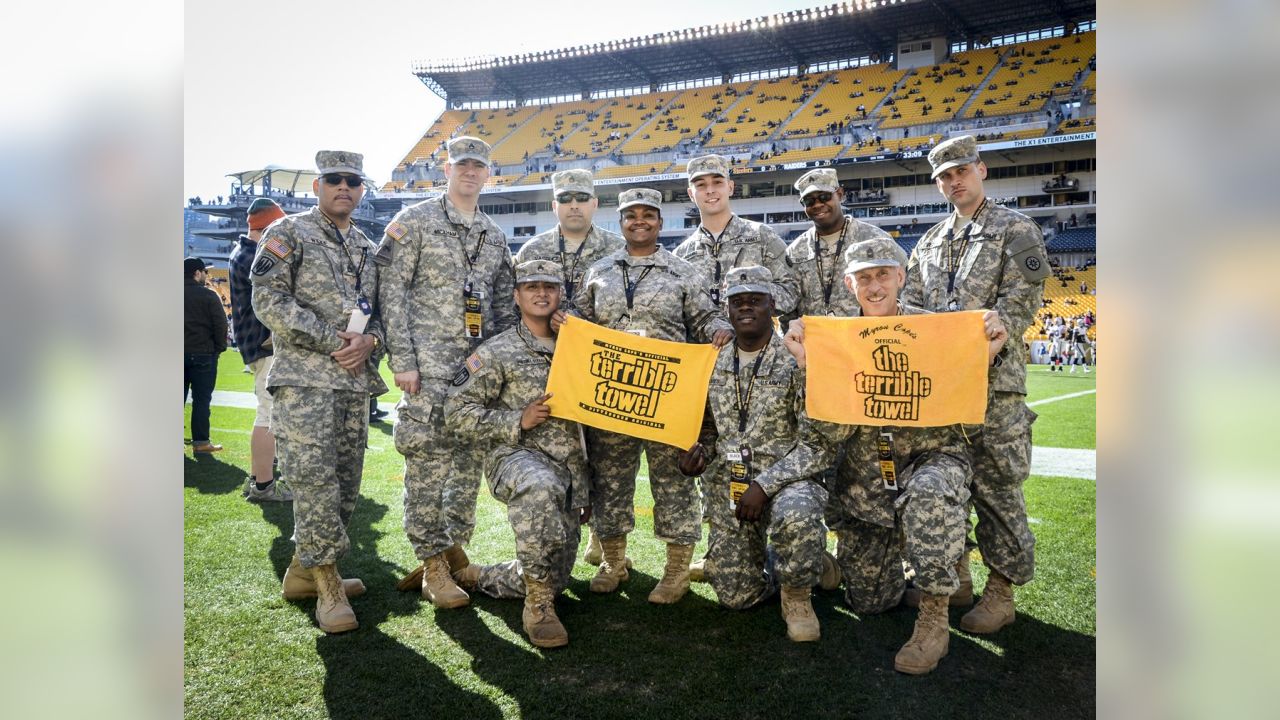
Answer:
(253, 340)
(1010, 279)
(203, 340)
(817, 256)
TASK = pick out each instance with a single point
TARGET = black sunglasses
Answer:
(579, 197)
(336, 179)
(818, 197)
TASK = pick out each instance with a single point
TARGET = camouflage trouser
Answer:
(536, 492)
(320, 439)
(461, 489)
(615, 460)
(929, 534)
(441, 473)
(736, 554)
(1001, 457)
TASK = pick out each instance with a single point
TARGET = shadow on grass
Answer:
(369, 674)
(210, 475)
(627, 658)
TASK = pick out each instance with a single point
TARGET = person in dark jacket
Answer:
(204, 338)
(253, 340)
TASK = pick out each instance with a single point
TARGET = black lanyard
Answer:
(715, 249)
(475, 253)
(342, 243)
(830, 277)
(744, 403)
(630, 287)
(569, 269)
(954, 258)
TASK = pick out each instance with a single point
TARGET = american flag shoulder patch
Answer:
(396, 231)
(276, 247)
(474, 363)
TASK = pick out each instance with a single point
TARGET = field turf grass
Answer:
(251, 654)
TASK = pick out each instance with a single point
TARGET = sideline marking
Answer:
(1068, 396)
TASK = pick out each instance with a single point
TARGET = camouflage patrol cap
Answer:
(820, 180)
(539, 271)
(953, 153)
(572, 181)
(708, 165)
(340, 161)
(877, 252)
(749, 279)
(639, 196)
(469, 148)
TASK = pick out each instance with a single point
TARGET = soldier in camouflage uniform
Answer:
(762, 480)
(447, 283)
(536, 463)
(575, 243)
(311, 282)
(985, 256)
(817, 257)
(917, 511)
(723, 240)
(644, 289)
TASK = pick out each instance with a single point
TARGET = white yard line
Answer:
(1053, 462)
(1056, 398)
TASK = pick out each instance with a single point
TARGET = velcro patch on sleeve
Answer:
(263, 264)
(474, 363)
(397, 232)
(277, 247)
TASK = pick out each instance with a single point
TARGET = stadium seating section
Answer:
(1077, 239)
(836, 103)
(1063, 297)
(1033, 72)
(1005, 80)
(686, 116)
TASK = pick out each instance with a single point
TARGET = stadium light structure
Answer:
(757, 24)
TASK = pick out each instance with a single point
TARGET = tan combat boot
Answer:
(698, 570)
(613, 568)
(595, 553)
(994, 610)
(675, 576)
(333, 612)
(797, 611)
(930, 640)
(439, 588)
(962, 597)
(300, 583)
(539, 616)
(830, 579)
(457, 558)
(468, 577)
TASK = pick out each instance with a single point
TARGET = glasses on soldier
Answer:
(336, 179)
(566, 197)
(818, 197)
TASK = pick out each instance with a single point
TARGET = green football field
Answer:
(251, 654)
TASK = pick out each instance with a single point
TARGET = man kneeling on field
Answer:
(759, 478)
(536, 464)
(918, 513)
